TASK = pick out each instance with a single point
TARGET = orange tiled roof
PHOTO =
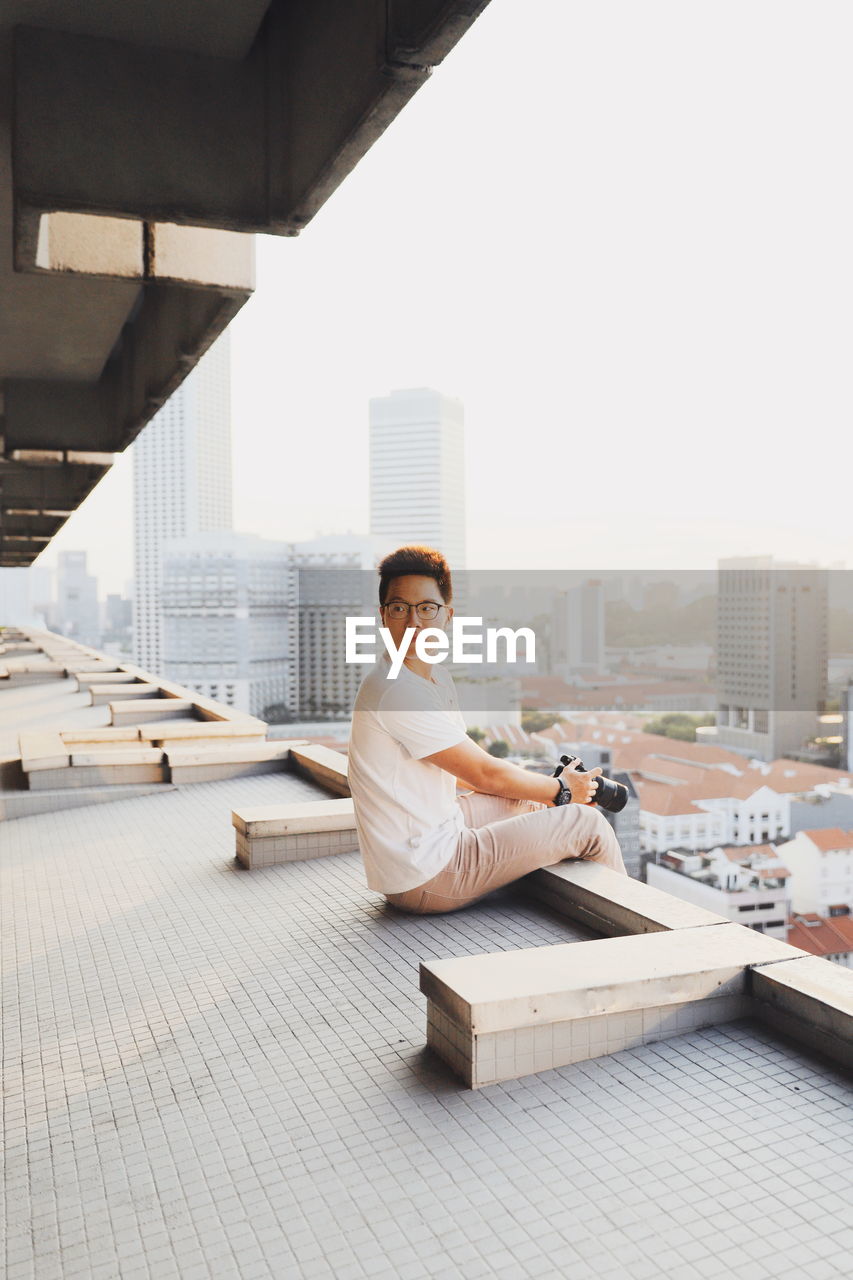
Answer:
(668, 801)
(829, 838)
(737, 852)
(823, 936)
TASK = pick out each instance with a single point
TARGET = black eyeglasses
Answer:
(426, 610)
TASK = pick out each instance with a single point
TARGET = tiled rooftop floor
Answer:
(213, 1072)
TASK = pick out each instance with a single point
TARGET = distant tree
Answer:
(476, 734)
(840, 631)
(499, 748)
(278, 713)
(677, 724)
(693, 623)
(535, 721)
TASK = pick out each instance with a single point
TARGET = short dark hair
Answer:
(425, 562)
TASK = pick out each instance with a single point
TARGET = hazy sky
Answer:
(621, 233)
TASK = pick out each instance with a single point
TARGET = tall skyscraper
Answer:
(181, 486)
(772, 646)
(417, 471)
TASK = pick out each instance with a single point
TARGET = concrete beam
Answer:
(253, 144)
(174, 323)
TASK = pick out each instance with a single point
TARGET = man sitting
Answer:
(425, 848)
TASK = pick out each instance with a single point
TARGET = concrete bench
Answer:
(129, 711)
(102, 764)
(322, 765)
(221, 759)
(509, 1014)
(280, 833)
(42, 750)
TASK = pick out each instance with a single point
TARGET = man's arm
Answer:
(476, 768)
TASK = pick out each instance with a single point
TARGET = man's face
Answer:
(413, 590)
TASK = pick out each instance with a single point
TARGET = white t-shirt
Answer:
(406, 811)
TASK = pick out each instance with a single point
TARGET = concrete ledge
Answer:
(186, 729)
(128, 712)
(96, 776)
(274, 834)
(610, 903)
(322, 765)
(200, 762)
(508, 1006)
(810, 1000)
(18, 678)
(106, 734)
(42, 750)
(100, 694)
(119, 754)
(92, 678)
(230, 753)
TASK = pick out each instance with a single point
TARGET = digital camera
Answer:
(609, 795)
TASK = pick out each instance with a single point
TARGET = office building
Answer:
(181, 486)
(771, 656)
(77, 612)
(577, 630)
(417, 471)
(26, 596)
(117, 632)
(229, 619)
(336, 577)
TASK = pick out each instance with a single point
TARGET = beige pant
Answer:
(505, 839)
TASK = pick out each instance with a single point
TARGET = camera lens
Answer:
(610, 795)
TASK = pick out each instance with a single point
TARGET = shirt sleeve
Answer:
(419, 724)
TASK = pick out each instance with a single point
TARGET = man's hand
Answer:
(582, 785)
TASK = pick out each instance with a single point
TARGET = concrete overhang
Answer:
(141, 145)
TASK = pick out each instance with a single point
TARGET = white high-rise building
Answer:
(417, 471)
(181, 486)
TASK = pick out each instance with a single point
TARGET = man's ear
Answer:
(449, 613)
